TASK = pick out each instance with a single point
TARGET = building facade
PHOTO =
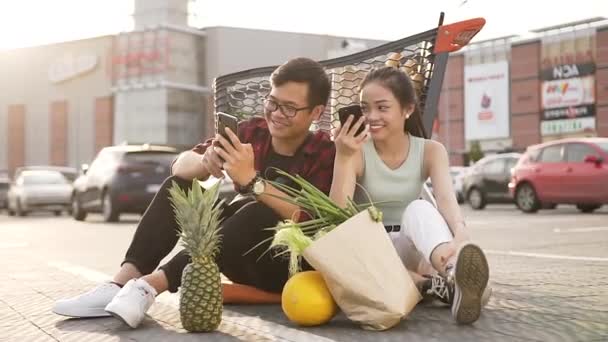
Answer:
(510, 93)
(61, 103)
(56, 104)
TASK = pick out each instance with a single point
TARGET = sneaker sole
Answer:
(471, 275)
(84, 313)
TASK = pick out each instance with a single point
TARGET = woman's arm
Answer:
(346, 172)
(437, 166)
(348, 164)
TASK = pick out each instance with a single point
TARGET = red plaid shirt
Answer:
(319, 151)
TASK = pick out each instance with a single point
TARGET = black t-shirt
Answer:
(276, 161)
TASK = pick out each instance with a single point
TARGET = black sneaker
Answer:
(439, 288)
(470, 274)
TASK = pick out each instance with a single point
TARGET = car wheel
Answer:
(460, 198)
(78, 213)
(11, 213)
(476, 199)
(57, 212)
(587, 208)
(526, 199)
(108, 209)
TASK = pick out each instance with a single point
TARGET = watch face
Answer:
(258, 187)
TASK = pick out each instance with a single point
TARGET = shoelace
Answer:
(439, 288)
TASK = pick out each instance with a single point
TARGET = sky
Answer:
(36, 22)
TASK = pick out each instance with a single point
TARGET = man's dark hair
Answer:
(304, 70)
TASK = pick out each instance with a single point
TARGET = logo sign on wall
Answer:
(568, 82)
(568, 91)
(71, 66)
(486, 101)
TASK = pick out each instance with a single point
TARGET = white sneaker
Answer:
(132, 302)
(89, 304)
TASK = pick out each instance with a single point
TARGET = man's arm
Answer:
(189, 165)
(199, 163)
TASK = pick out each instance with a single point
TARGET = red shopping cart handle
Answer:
(454, 36)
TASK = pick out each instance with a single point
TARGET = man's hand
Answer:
(189, 166)
(212, 161)
(238, 158)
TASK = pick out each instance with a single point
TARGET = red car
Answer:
(569, 171)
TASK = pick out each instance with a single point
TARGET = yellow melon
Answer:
(306, 300)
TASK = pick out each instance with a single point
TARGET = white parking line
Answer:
(546, 256)
(579, 230)
(251, 324)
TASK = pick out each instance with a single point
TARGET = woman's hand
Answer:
(347, 143)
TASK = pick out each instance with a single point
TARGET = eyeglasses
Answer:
(287, 110)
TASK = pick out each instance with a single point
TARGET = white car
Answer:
(457, 173)
(44, 190)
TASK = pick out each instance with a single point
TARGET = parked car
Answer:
(68, 172)
(4, 185)
(487, 181)
(39, 189)
(121, 179)
(457, 173)
(569, 171)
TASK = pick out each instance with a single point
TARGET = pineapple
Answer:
(198, 215)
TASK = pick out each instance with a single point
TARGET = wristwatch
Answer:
(259, 186)
(255, 187)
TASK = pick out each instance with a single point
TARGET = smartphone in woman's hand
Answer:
(355, 111)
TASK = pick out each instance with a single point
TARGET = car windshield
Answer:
(44, 177)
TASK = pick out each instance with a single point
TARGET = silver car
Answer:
(39, 190)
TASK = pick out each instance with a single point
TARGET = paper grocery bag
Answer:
(364, 274)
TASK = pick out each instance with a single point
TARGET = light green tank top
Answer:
(401, 186)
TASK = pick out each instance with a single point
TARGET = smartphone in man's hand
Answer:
(355, 111)
(226, 120)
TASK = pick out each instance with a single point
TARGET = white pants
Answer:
(422, 230)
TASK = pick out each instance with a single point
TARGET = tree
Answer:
(475, 152)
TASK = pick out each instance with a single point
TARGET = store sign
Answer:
(70, 66)
(568, 82)
(487, 101)
(563, 71)
(570, 92)
(551, 127)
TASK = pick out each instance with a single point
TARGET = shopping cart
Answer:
(424, 56)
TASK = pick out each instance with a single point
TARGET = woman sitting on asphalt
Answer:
(391, 164)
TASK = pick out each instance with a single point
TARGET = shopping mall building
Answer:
(513, 92)
(61, 103)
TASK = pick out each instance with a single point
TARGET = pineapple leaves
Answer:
(197, 213)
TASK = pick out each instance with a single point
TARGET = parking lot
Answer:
(549, 272)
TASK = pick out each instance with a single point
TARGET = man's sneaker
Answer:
(132, 302)
(89, 304)
(471, 274)
(437, 287)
